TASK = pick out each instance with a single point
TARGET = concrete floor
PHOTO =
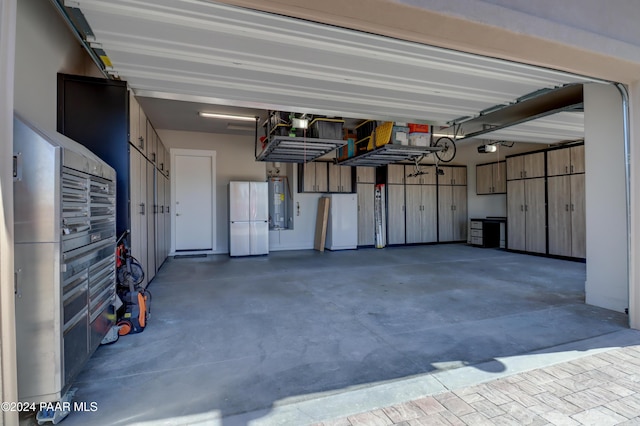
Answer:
(237, 335)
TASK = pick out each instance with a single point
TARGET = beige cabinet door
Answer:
(445, 213)
(413, 213)
(484, 179)
(160, 150)
(134, 119)
(577, 159)
(334, 178)
(558, 162)
(459, 214)
(345, 179)
(515, 167)
(535, 212)
(365, 174)
(534, 165)
(395, 174)
(138, 206)
(515, 214)
(430, 177)
(559, 196)
(446, 175)
(308, 177)
(459, 175)
(429, 217)
(144, 129)
(322, 178)
(500, 178)
(578, 217)
(366, 228)
(150, 269)
(395, 216)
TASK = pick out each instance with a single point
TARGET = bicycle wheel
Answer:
(448, 151)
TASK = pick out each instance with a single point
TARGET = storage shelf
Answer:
(287, 149)
(387, 154)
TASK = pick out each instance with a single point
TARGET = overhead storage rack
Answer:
(389, 153)
(288, 149)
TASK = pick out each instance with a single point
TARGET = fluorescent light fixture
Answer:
(226, 116)
(239, 127)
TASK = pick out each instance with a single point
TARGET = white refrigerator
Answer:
(342, 226)
(248, 218)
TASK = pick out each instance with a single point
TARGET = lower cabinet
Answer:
(567, 220)
(526, 215)
(396, 214)
(422, 213)
(366, 229)
(452, 213)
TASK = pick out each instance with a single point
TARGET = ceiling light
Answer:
(227, 116)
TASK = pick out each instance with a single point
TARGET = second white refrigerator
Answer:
(248, 218)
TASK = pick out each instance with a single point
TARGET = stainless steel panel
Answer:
(38, 321)
(239, 194)
(259, 201)
(36, 194)
(76, 347)
(259, 237)
(239, 240)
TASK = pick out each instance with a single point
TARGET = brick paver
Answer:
(601, 389)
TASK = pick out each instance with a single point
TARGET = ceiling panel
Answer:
(206, 52)
(559, 127)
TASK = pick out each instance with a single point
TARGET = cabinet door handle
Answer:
(521, 173)
(526, 208)
(141, 144)
(572, 168)
(566, 169)
(525, 173)
(167, 209)
(566, 207)
(142, 208)
(521, 208)
(572, 209)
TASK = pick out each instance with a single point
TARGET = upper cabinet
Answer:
(565, 161)
(395, 174)
(428, 176)
(525, 166)
(340, 178)
(365, 174)
(452, 175)
(491, 178)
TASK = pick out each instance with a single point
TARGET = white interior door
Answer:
(194, 176)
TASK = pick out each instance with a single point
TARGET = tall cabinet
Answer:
(452, 204)
(566, 195)
(422, 206)
(105, 117)
(526, 208)
(396, 205)
(365, 187)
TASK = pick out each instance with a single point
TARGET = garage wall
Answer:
(234, 161)
(607, 282)
(44, 47)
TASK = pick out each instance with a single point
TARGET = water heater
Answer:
(278, 199)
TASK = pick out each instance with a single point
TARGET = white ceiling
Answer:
(208, 53)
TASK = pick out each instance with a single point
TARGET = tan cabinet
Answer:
(395, 174)
(422, 213)
(314, 177)
(567, 227)
(396, 214)
(339, 178)
(366, 229)
(452, 213)
(526, 216)
(365, 174)
(565, 161)
(525, 166)
(429, 176)
(450, 175)
(138, 207)
(491, 178)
